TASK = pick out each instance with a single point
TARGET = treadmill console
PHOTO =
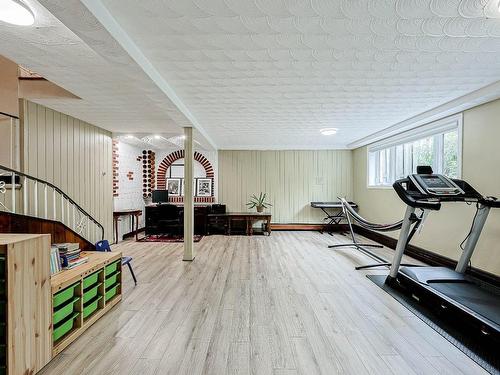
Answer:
(435, 184)
(427, 190)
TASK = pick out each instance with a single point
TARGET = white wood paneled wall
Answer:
(291, 179)
(71, 154)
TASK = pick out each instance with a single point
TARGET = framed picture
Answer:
(204, 187)
(174, 186)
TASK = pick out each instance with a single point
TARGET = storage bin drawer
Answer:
(112, 280)
(112, 292)
(64, 327)
(90, 280)
(91, 307)
(111, 268)
(64, 295)
(91, 293)
(3, 306)
(64, 311)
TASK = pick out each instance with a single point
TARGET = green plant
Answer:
(259, 202)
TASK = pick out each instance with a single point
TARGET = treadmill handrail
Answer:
(411, 201)
(490, 202)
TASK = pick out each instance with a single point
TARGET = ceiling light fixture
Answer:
(328, 131)
(16, 12)
(157, 136)
(130, 136)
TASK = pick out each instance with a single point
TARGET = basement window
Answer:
(438, 144)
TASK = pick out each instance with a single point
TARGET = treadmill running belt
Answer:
(485, 303)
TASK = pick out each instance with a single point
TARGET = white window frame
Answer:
(434, 128)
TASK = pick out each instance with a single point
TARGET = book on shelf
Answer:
(76, 262)
(55, 260)
(69, 253)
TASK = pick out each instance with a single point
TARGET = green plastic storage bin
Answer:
(90, 280)
(64, 295)
(64, 327)
(91, 293)
(112, 292)
(112, 280)
(111, 268)
(91, 307)
(64, 311)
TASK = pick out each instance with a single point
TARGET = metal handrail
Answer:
(11, 116)
(55, 188)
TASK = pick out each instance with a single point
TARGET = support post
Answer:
(13, 185)
(188, 195)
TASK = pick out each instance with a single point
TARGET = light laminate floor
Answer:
(281, 305)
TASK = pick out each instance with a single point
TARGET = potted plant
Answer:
(258, 202)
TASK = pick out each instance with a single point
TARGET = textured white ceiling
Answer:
(262, 73)
(116, 94)
(271, 73)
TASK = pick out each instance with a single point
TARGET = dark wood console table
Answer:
(169, 219)
(249, 217)
(133, 213)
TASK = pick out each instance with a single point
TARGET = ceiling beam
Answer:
(107, 20)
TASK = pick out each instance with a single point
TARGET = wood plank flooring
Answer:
(280, 305)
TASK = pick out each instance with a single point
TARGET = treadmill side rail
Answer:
(470, 245)
(402, 242)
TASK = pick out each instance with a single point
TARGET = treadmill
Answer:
(472, 303)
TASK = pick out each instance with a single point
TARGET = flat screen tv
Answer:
(160, 196)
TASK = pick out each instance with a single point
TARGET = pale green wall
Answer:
(71, 154)
(292, 180)
(444, 230)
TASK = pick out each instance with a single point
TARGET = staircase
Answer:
(31, 205)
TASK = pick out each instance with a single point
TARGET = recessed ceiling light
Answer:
(328, 131)
(16, 12)
(157, 136)
(130, 136)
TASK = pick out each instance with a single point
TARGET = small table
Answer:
(249, 217)
(336, 213)
(134, 214)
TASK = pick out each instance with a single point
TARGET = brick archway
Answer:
(161, 181)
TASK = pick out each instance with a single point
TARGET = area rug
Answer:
(168, 238)
(484, 354)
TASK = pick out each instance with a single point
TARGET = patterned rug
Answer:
(168, 238)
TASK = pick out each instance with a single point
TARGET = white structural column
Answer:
(188, 195)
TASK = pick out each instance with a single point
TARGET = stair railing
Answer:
(23, 194)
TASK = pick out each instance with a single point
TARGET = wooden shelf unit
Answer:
(97, 262)
(28, 297)
(28, 292)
